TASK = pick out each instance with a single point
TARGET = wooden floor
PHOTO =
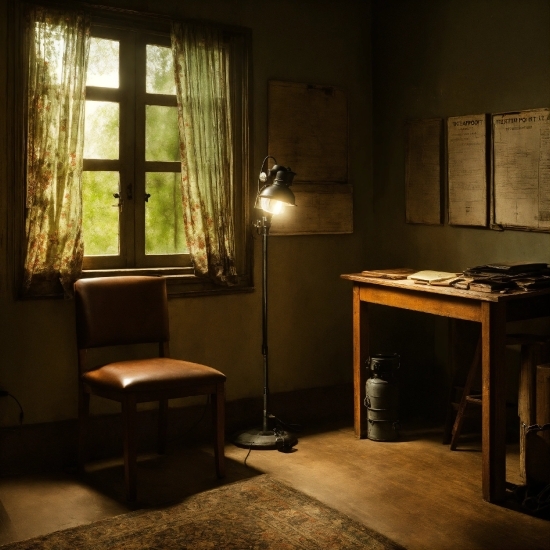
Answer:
(415, 491)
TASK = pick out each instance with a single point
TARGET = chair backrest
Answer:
(121, 310)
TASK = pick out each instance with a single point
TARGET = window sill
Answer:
(180, 281)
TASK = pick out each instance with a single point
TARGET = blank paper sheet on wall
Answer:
(423, 171)
(308, 132)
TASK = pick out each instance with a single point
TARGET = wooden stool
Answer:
(534, 351)
(467, 398)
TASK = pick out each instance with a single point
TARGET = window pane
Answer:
(103, 63)
(160, 71)
(161, 134)
(164, 231)
(101, 130)
(100, 225)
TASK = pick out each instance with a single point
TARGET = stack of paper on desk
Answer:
(532, 283)
(395, 273)
(491, 284)
(508, 276)
(428, 277)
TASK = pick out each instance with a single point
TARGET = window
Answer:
(131, 212)
(131, 193)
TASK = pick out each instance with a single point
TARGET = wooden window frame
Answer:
(181, 278)
(132, 166)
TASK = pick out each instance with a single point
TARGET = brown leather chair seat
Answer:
(155, 374)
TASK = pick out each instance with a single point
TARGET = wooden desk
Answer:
(493, 311)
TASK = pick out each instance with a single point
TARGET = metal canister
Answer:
(382, 398)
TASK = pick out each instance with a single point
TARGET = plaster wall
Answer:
(439, 59)
(312, 41)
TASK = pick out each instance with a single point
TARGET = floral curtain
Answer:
(202, 72)
(58, 57)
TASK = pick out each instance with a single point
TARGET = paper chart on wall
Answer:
(521, 170)
(308, 131)
(423, 171)
(467, 170)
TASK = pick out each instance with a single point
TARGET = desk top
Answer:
(407, 284)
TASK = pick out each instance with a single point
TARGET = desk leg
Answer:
(360, 354)
(493, 331)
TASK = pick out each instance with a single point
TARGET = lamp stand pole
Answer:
(265, 226)
(265, 438)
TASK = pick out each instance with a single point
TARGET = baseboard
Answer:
(52, 446)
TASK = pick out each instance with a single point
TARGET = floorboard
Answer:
(415, 491)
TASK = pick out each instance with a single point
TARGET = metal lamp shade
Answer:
(273, 198)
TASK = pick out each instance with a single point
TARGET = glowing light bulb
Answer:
(272, 206)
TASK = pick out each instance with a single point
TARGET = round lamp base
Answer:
(270, 439)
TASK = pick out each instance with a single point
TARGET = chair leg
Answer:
(163, 426)
(130, 452)
(474, 367)
(218, 419)
(83, 415)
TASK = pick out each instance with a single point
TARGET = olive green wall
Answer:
(312, 41)
(444, 58)
(441, 58)
(430, 58)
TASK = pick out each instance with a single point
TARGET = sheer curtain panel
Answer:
(58, 44)
(203, 87)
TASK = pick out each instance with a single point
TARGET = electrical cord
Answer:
(278, 431)
(534, 498)
(5, 393)
(286, 425)
(248, 453)
(538, 502)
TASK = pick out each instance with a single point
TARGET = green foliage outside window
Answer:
(99, 213)
(160, 71)
(164, 232)
(103, 63)
(161, 133)
(101, 130)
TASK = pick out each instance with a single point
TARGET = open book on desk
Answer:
(439, 278)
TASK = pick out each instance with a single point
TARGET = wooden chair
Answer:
(114, 311)
(534, 351)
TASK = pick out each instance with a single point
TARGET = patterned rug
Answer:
(258, 513)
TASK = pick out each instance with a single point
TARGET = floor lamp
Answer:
(273, 195)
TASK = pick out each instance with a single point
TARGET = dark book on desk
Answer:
(513, 268)
(395, 273)
(517, 267)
